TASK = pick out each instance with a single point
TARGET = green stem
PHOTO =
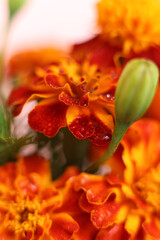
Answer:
(119, 131)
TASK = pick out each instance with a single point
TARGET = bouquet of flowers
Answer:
(87, 166)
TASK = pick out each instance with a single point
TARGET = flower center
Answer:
(23, 216)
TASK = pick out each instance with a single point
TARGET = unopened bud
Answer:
(135, 90)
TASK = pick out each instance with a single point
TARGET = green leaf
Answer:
(5, 119)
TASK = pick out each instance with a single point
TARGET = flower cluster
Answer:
(88, 93)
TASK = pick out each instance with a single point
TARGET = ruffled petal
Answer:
(140, 142)
(97, 188)
(48, 117)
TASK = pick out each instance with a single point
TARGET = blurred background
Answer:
(50, 23)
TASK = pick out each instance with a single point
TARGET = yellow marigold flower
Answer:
(135, 25)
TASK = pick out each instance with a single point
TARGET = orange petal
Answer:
(63, 227)
(87, 231)
(140, 142)
(115, 232)
(97, 189)
(106, 214)
(48, 117)
(29, 186)
(68, 173)
(69, 100)
(153, 109)
(55, 81)
(70, 198)
(153, 228)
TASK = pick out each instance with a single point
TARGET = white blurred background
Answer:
(55, 23)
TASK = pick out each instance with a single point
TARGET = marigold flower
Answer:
(134, 26)
(80, 96)
(28, 201)
(123, 205)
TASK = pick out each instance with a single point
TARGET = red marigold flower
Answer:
(80, 96)
(28, 201)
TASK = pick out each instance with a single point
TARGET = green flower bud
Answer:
(135, 90)
(14, 6)
(134, 93)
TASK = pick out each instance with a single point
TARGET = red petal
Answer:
(97, 189)
(18, 97)
(81, 127)
(105, 215)
(48, 117)
(97, 50)
(87, 230)
(115, 232)
(55, 81)
(63, 227)
(36, 164)
(8, 173)
(102, 133)
(69, 172)
(69, 100)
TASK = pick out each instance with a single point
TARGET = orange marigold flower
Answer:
(131, 25)
(140, 142)
(28, 201)
(96, 199)
(80, 96)
(126, 207)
